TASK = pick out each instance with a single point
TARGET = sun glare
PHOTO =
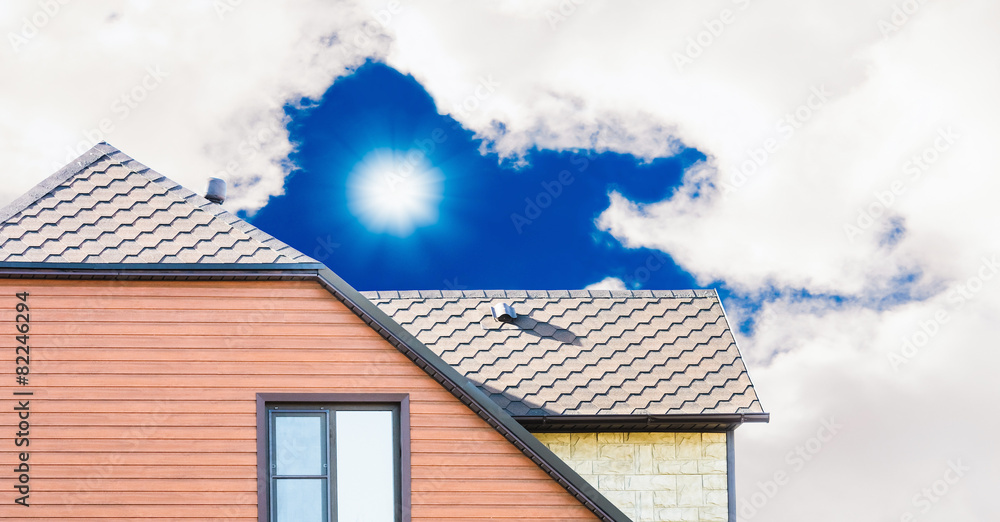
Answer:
(395, 192)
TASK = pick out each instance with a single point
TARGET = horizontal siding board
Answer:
(202, 329)
(198, 497)
(342, 351)
(445, 511)
(136, 434)
(153, 445)
(140, 457)
(55, 303)
(189, 317)
(112, 420)
(55, 341)
(100, 486)
(242, 368)
(145, 403)
(210, 381)
(121, 519)
(167, 393)
(137, 511)
(155, 407)
(119, 471)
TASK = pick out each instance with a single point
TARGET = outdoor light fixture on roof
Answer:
(503, 312)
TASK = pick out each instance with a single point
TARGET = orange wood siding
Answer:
(144, 403)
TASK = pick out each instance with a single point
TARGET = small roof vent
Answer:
(503, 312)
(216, 190)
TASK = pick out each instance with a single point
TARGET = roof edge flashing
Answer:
(165, 267)
(644, 422)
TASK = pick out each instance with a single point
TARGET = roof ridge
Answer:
(537, 294)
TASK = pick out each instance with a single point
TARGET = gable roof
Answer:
(48, 235)
(107, 208)
(587, 354)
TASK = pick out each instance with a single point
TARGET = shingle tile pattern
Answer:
(107, 208)
(585, 352)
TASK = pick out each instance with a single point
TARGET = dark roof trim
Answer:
(442, 372)
(719, 422)
(541, 294)
(63, 268)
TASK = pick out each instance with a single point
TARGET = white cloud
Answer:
(608, 283)
(212, 105)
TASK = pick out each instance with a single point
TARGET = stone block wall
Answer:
(662, 477)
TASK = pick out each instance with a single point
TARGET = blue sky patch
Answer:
(376, 136)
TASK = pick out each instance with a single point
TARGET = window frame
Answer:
(346, 401)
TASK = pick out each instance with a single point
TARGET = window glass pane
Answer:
(298, 444)
(300, 500)
(366, 474)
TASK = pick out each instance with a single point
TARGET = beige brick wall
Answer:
(665, 477)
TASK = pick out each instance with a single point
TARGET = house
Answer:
(167, 361)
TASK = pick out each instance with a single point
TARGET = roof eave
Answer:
(688, 422)
(69, 268)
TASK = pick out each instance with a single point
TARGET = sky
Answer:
(829, 167)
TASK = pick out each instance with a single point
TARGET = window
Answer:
(333, 458)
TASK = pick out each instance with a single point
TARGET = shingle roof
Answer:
(585, 352)
(107, 208)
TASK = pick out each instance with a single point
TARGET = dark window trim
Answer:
(402, 399)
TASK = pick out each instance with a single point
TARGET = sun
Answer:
(395, 192)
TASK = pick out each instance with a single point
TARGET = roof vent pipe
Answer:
(216, 190)
(503, 312)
